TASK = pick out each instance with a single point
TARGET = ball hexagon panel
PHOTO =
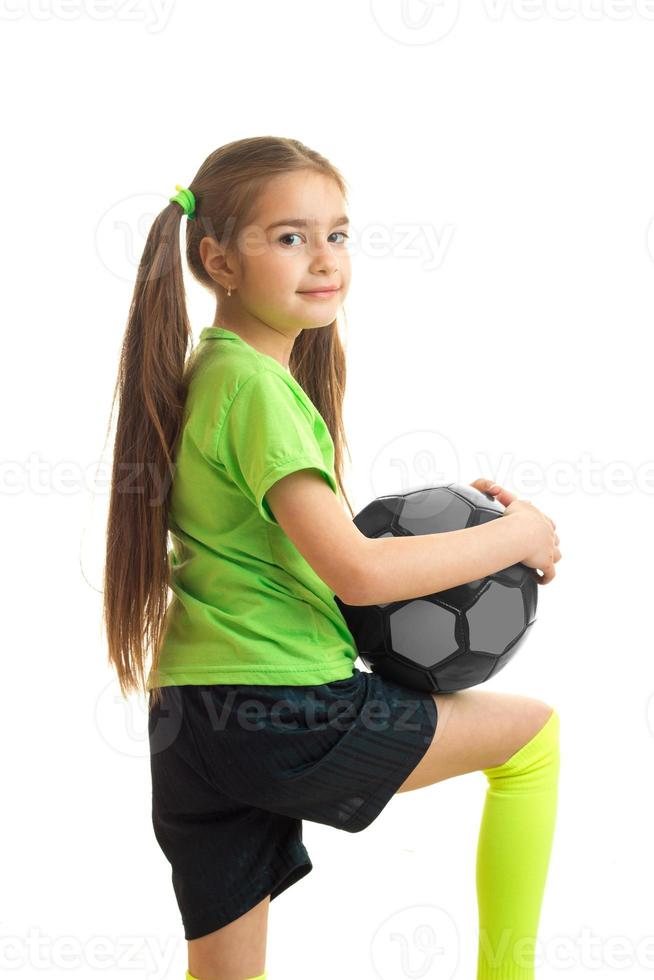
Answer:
(422, 508)
(465, 670)
(496, 619)
(423, 632)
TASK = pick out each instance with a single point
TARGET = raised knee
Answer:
(543, 715)
(543, 710)
(545, 723)
(540, 750)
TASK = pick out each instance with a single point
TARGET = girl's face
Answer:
(298, 242)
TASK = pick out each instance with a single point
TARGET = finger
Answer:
(482, 483)
(495, 490)
(504, 496)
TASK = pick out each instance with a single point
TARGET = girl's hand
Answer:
(487, 486)
(544, 549)
(540, 532)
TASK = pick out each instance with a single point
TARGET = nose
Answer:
(324, 259)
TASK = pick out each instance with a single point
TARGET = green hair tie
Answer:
(187, 200)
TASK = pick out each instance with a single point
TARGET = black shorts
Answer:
(236, 768)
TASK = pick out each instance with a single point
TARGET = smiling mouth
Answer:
(318, 292)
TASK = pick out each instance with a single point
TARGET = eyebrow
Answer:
(301, 223)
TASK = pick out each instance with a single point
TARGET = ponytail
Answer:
(152, 392)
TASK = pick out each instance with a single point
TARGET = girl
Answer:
(258, 718)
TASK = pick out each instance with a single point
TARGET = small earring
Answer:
(229, 291)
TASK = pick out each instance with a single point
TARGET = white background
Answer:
(507, 154)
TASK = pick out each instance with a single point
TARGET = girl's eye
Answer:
(295, 234)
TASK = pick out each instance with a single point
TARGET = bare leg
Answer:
(235, 952)
(514, 741)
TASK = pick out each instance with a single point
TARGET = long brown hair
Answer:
(153, 379)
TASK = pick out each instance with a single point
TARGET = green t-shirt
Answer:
(247, 608)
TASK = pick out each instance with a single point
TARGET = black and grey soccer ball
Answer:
(453, 639)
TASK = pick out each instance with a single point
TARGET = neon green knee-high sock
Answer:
(513, 854)
(189, 977)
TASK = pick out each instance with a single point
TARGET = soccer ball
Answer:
(453, 639)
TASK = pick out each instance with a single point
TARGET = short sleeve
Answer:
(266, 434)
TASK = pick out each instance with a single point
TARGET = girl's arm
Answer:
(407, 568)
(309, 512)
(365, 571)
